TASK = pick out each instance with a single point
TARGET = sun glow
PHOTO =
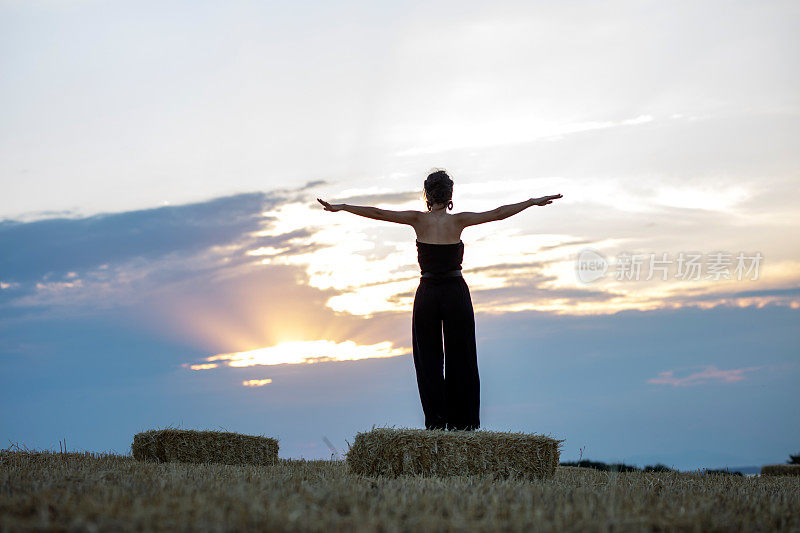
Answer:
(305, 352)
(371, 266)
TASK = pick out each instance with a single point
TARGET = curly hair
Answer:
(438, 188)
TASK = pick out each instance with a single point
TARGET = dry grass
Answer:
(49, 490)
(189, 446)
(780, 470)
(396, 452)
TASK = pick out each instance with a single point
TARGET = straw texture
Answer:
(780, 470)
(397, 452)
(190, 446)
(77, 491)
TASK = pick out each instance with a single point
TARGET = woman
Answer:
(442, 302)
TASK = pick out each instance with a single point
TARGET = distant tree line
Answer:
(617, 467)
(622, 467)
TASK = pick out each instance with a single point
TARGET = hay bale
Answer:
(189, 446)
(394, 452)
(780, 470)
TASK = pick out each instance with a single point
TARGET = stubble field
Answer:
(82, 491)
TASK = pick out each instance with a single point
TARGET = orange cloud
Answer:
(256, 382)
(204, 366)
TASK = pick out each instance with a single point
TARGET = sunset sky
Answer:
(164, 261)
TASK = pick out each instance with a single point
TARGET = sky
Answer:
(164, 261)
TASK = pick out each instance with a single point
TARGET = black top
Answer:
(439, 258)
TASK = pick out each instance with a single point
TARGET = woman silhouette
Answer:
(442, 302)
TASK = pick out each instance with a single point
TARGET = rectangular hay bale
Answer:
(780, 470)
(190, 446)
(394, 452)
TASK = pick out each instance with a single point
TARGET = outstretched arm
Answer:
(400, 217)
(504, 211)
(512, 209)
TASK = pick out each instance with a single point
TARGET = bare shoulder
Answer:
(415, 216)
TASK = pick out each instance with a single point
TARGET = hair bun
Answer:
(438, 187)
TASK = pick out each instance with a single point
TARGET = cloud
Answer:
(527, 284)
(576, 242)
(313, 183)
(116, 258)
(32, 216)
(195, 274)
(305, 352)
(533, 290)
(710, 373)
(381, 198)
(256, 382)
(510, 135)
(57, 246)
(789, 293)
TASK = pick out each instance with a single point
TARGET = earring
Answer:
(450, 205)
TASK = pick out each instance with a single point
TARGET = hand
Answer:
(544, 200)
(329, 207)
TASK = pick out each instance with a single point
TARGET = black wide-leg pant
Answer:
(450, 401)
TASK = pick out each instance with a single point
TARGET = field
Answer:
(52, 490)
